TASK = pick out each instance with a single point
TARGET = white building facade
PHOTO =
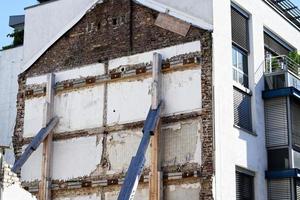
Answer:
(255, 155)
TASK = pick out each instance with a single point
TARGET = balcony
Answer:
(281, 72)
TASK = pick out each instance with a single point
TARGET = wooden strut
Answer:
(155, 183)
(45, 184)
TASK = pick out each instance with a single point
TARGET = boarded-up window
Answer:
(239, 28)
(242, 109)
(244, 186)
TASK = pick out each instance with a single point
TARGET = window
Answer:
(274, 45)
(240, 49)
(244, 184)
(239, 27)
(242, 109)
(295, 122)
(278, 159)
(240, 66)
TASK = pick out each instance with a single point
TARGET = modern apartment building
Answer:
(231, 90)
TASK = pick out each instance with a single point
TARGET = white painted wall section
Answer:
(80, 109)
(76, 157)
(196, 12)
(130, 101)
(80, 72)
(33, 117)
(147, 57)
(10, 66)
(121, 146)
(72, 158)
(83, 197)
(16, 192)
(76, 110)
(235, 147)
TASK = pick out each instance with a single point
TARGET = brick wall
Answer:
(120, 28)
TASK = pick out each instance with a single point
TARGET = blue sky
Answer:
(16, 7)
(8, 8)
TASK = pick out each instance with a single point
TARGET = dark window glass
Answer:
(244, 186)
(278, 159)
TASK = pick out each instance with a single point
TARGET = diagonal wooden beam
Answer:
(155, 183)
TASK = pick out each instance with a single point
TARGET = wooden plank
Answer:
(155, 183)
(173, 24)
(45, 184)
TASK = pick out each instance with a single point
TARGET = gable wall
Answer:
(85, 45)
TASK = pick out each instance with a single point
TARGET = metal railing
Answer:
(281, 63)
(281, 71)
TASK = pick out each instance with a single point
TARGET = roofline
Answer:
(148, 3)
(39, 4)
(58, 35)
(282, 15)
(197, 22)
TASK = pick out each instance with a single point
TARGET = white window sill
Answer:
(244, 130)
(242, 88)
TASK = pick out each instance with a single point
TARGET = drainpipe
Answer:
(1, 171)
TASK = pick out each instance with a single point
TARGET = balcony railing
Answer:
(280, 72)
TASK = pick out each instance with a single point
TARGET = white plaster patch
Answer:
(75, 157)
(121, 147)
(71, 159)
(182, 145)
(31, 170)
(141, 194)
(148, 56)
(33, 118)
(80, 72)
(84, 197)
(80, 109)
(185, 191)
(130, 101)
(16, 192)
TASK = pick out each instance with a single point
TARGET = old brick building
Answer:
(102, 94)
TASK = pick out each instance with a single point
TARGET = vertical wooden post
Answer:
(155, 183)
(45, 184)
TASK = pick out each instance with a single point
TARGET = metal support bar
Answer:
(35, 143)
(137, 162)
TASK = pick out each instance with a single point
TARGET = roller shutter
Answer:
(242, 109)
(276, 122)
(244, 186)
(279, 189)
(295, 111)
(239, 28)
(276, 47)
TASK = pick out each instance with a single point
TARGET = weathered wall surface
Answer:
(102, 106)
(10, 66)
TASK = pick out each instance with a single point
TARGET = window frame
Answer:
(236, 68)
(247, 173)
